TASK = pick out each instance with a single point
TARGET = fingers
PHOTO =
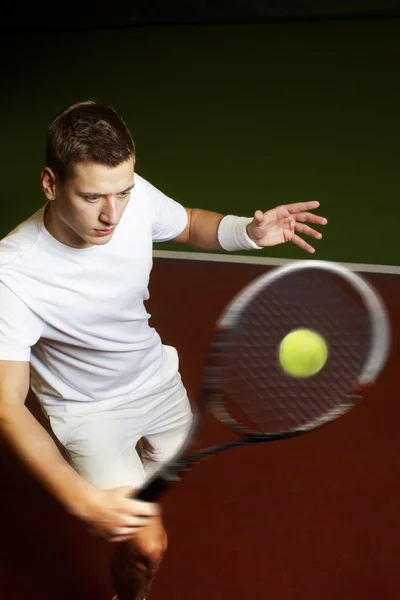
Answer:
(137, 507)
(119, 538)
(258, 216)
(126, 530)
(116, 516)
(311, 218)
(133, 522)
(308, 231)
(301, 206)
(123, 532)
(302, 244)
(142, 509)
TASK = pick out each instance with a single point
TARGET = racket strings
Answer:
(255, 389)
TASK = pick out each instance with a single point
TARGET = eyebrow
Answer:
(97, 195)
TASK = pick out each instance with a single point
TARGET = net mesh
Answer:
(255, 389)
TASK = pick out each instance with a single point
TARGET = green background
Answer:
(229, 118)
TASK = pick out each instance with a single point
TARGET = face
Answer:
(86, 209)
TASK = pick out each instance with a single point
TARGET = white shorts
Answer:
(101, 445)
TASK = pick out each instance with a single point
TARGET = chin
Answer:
(100, 241)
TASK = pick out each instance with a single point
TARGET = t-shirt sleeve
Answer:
(20, 328)
(169, 216)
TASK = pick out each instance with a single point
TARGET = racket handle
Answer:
(155, 488)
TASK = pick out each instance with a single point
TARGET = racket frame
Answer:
(171, 472)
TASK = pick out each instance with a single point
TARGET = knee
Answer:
(154, 549)
(149, 550)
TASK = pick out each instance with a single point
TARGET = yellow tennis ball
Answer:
(302, 353)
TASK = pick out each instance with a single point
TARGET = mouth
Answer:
(104, 231)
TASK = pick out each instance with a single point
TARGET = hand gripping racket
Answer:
(244, 385)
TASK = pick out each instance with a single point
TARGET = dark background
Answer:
(234, 106)
(94, 15)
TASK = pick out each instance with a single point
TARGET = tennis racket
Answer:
(244, 385)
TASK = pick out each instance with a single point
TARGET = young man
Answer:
(73, 327)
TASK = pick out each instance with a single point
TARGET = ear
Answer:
(48, 181)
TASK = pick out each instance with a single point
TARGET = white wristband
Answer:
(232, 234)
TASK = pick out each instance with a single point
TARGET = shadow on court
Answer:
(309, 518)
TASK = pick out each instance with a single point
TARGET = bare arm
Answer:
(275, 226)
(109, 513)
(201, 230)
(33, 445)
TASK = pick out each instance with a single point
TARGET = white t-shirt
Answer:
(78, 315)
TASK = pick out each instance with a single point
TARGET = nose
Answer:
(109, 214)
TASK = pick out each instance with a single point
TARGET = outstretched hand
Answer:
(283, 223)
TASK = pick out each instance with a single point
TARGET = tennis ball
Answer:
(302, 353)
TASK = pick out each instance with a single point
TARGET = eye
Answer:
(91, 198)
(124, 194)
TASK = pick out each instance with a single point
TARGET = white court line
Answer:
(268, 261)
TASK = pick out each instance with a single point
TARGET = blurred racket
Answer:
(244, 385)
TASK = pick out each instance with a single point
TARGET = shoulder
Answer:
(145, 189)
(21, 239)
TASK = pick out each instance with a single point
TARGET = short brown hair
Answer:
(87, 131)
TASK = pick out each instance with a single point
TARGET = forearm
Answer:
(35, 448)
(209, 230)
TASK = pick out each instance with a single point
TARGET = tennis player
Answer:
(73, 328)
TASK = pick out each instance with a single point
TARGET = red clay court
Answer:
(309, 518)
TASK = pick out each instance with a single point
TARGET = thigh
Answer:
(102, 447)
(168, 426)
